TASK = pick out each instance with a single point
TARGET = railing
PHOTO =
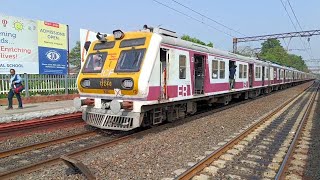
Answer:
(42, 84)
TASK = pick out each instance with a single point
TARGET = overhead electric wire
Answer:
(207, 17)
(192, 18)
(295, 28)
(295, 16)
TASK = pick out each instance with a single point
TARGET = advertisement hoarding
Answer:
(33, 47)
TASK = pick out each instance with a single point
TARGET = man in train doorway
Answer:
(232, 72)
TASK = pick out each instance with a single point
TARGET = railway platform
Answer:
(36, 111)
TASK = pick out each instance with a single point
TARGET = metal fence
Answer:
(42, 84)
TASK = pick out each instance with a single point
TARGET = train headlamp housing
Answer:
(127, 84)
(85, 83)
(118, 34)
(101, 37)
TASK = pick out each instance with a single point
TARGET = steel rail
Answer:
(191, 172)
(12, 127)
(285, 162)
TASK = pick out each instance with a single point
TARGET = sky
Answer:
(250, 18)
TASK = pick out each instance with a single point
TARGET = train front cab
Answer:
(115, 74)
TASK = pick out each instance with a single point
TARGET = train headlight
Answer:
(118, 34)
(85, 83)
(127, 84)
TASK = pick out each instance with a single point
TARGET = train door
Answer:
(199, 64)
(164, 58)
(251, 74)
(232, 79)
(263, 74)
(270, 77)
(293, 76)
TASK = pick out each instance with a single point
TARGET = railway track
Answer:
(30, 158)
(90, 144)
(7, 129)
(261, 150)
(296, 159)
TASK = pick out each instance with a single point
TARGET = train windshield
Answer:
(94, 63)
(130, 60)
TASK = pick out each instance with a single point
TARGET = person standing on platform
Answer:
(15, 81)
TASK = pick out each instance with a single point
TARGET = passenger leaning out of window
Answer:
(15, 82)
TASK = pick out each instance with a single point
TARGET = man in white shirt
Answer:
(15, 81)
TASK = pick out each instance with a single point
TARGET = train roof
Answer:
(194, 46)
(170, 37)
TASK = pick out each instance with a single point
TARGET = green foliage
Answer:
(269, 44)
(195, 40)
(273, 51)
(210, 44)
(75, 56)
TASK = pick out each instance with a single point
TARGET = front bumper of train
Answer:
(106, 119)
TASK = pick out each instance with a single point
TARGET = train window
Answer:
(132, 42)
(267, 72)
(258, 72)
(245, 69)
(240, 71)
(215, 69)
(105, 45)
(222, 69)
(130, 60)
(94, 63)
(182, 67)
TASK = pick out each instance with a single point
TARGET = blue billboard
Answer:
(53, 61)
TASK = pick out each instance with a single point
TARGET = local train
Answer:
(150, 76)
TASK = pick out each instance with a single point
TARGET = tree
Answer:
(210, 44)
(75, 56)
(273, 51)
(195, 40)
(269, 44)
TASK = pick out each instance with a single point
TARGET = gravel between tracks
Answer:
(157, 155)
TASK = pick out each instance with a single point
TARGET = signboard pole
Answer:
(68, 41)
(66, 75)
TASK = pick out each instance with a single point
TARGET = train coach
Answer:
(147, 77)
